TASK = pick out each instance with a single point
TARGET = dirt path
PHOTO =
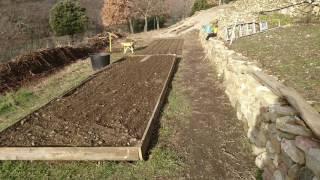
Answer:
(212, 138)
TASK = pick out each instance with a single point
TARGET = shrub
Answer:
(200, 5)
(67, 17)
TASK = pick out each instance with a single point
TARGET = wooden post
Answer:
(233, 35)
(247, 29)
(240, 30)
(254, 27)
(110, 42)
(226, 33)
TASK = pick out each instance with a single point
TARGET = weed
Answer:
(15, 100)
(259, 174)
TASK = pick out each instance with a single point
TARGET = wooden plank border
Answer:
(135, 153)
(146, 138)
(71, 153)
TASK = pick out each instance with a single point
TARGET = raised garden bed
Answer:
(164, 46)
(108, 117)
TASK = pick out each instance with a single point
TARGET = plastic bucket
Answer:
(99, 60)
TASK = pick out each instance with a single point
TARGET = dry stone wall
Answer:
(290, 7)
(284, 146)
(248, 11)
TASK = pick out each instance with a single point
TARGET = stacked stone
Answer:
(285, 148)
(263, 5)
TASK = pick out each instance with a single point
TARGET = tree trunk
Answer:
(145, 23)
(131, 26)
(72, 39)
(158, 22)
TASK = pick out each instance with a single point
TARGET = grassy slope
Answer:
(291, 53)
(18, 104)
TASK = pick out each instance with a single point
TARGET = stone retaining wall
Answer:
(285, 148)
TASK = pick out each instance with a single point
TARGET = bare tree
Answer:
(160, 9)
(115, 12)
(144, 8)
(187, 6)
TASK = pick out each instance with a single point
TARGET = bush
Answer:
(200, 5)
(67, 17)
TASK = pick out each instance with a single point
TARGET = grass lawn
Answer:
(291, 53)
(164, 161)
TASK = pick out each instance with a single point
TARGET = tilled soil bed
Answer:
(164, 46)
(112, 109)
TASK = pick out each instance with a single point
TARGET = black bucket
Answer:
(99, 60)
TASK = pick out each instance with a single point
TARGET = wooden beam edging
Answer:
(146, 138)
(70, 153)
(306, 111)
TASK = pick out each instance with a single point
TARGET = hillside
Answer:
(24, 23)
(241, 105)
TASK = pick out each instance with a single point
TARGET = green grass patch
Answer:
(259, 174)
(178, 105)
(274, 19)
(14, 101)
(163, 163)
(48, 170)
(15, 105)
(290, 53)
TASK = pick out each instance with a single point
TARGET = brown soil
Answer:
(164, 46)
(112, 109)
(34, 65)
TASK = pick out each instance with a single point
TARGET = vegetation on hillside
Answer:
(67, 17)
(24, 25)
(200, 5)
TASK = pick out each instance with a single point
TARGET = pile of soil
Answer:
(112, 109)
(36, 64)
(164, 46)
(101, 40)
